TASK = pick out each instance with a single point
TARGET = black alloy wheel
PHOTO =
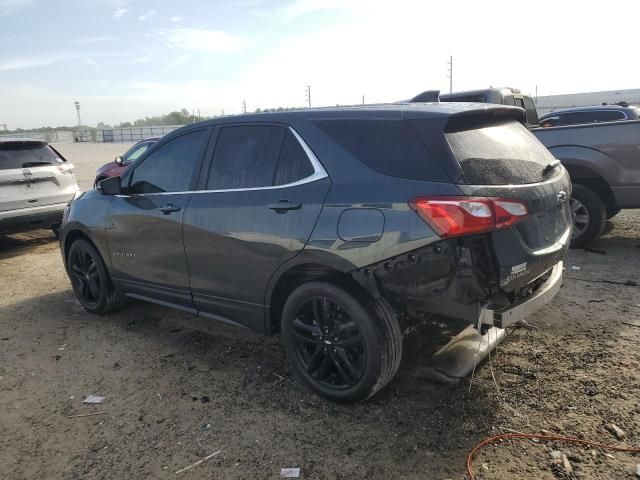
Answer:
(329, 343)
(343, 344)
(90, 279)
(85, 276)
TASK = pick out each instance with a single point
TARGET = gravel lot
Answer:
(180, 387)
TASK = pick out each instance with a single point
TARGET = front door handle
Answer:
(170, 208)
(285, 205)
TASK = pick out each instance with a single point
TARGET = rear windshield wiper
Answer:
(551, 166)
(35, 164)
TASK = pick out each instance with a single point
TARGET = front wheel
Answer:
(344, 348)
(90, 279)
(589, 216)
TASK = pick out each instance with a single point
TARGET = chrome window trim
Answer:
(318, 174)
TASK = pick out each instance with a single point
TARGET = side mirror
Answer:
(110, 186)
(119, 160)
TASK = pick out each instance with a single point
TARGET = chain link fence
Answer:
(133, 134)
(60, 136)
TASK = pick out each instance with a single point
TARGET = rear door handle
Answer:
(284, 205)
(170, 208)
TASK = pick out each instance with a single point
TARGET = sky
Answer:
(127, 59)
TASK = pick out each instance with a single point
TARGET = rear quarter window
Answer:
(387, 146)
(500, 154)
(26, 156)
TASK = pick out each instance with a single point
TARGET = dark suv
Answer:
(328, 226)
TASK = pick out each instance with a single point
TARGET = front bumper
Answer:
(515, 312)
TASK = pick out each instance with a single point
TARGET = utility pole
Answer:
(450, 73)
(77, 104)
(363, 99)
(536, 94)
(244, 106)
(308, 95)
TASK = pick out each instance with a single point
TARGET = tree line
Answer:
(181, 117)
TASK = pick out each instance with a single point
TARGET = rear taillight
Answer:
(66, 168)
(456, 216)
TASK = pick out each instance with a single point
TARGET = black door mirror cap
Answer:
(110, 186)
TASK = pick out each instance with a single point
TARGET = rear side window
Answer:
(608, 116)
(245, 157)
(26, 156)
(293, 164)
(170, 168)
(500, 154)
(388, 146)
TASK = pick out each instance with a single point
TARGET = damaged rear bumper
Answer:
(506, 316)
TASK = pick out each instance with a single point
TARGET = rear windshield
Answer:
(501, 154)
(26, 156)
(387, 146)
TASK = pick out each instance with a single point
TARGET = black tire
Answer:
(612, 212)
(90, 279)
(363, 335)
(589, 216)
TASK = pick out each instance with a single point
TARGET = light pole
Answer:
(77, 104)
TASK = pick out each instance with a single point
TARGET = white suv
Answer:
(36, 183)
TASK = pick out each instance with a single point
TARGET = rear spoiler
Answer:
(426, 96)
(489, 115)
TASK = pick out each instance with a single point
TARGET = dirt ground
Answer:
(180, 388)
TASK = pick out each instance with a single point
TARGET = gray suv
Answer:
(36, 183)
(337, 228)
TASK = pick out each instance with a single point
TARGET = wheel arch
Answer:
(73, 234)
(296, 275)
(588, 167)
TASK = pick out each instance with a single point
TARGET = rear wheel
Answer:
(90, 279)
(589, 216)
(345, 348)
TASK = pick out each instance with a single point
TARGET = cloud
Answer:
(97, 39)
(211, 41)
(141, 59)
(147, 16)
(120, 12)
(300, 8)
(175, 19)
(21, 63)
(10, 6)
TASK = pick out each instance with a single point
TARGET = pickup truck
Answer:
(603, 160)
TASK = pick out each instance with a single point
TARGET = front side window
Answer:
(170, 168)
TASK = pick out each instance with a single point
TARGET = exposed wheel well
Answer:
(594, 182)
(300, 274)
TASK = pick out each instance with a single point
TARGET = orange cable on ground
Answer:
(556, 438)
